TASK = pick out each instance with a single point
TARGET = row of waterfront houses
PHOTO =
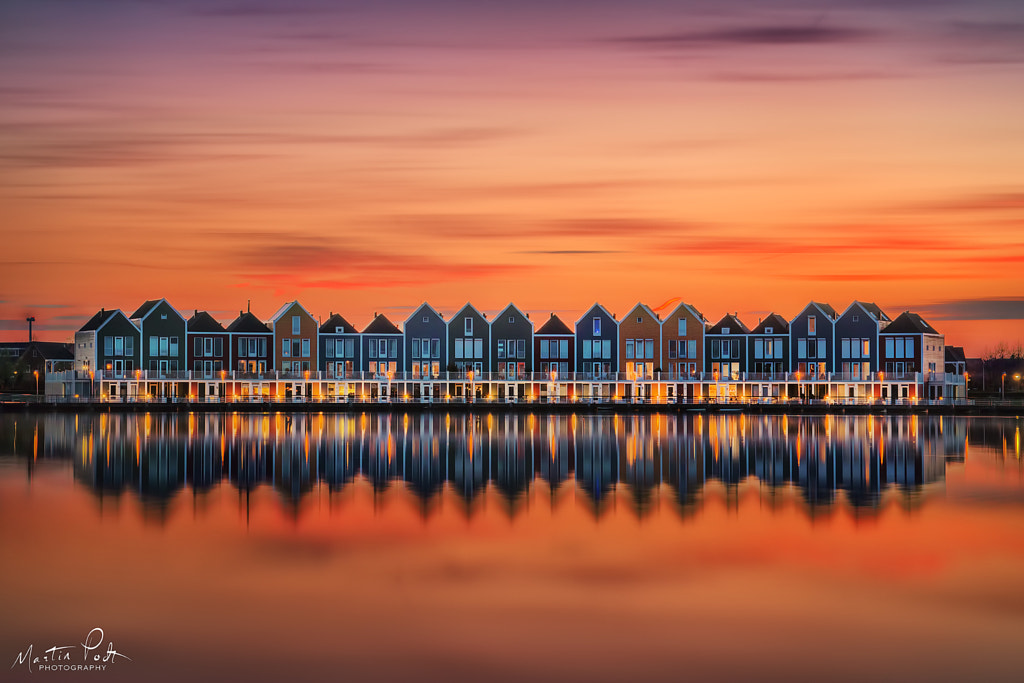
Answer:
(156, 341)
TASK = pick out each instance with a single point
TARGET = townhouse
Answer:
(469, 337)
(597, 343)
(512, 343)
(682, 334)
(426, 339)
(640, 342)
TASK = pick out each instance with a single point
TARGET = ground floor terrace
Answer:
(610, 388)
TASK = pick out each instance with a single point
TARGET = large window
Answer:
(468, 324)
(296, 325)
(681, 327)
(812, 325)
(597, 327)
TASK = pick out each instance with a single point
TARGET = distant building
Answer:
(109, 343)
(811, 335)
(426, 340)
(512, 343)
(682, 334)
(554, 347)
(640, 342)
(469, 341)
(727, 347)
(340, 347)
(295, 335)
(597, 342)
(856, 336)
(768, 347)
(383, 347)
(208, 347)
(163, 338)
(252, 344)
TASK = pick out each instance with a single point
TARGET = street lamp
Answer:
(36, 373)
(1002, 387)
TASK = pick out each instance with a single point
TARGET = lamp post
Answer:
(36, 373)
(1002, 387)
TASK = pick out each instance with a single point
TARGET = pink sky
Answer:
(367, 158)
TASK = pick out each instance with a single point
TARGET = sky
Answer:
(366, 157)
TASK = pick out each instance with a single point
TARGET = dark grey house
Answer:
(208, 346)
(554, 347)
(163, 338)
(426, 340)
(469, 341)
(252, 344)
(811, 335)
(856, 339)
(383, 347)
(725, 344)
(340, 347)
(512, 343)
(108, 343)
(597, 342)
(768, 347)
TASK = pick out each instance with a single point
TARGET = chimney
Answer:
(248, 305)
(30, 320)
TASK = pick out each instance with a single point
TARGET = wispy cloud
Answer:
(999, 308)
(756, 35)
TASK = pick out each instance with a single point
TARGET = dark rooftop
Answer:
(775, 321)
(97, 320)
(202, 321)
(332, 324)
(909, 323)
(247, 322)
(381, 325)
(554, 325)
(734, 324)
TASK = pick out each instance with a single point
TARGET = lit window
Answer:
(597, 327)
(812, 325)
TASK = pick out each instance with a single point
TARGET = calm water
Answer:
(514, 547)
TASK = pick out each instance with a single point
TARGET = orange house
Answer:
(682, 340)
(640, 342)
(295, 339)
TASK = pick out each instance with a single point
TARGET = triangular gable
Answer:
(689, 307)
(591, 309)
(285, 308)
(148, 307)
(419, 308)
(818, 307)
(557, 327)
(381, 325)
(876, 313)
(646, 308)
(517, 310)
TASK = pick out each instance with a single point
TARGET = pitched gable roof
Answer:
(48, 351)
(591, 309)
(469, 306)
(284, 309)
(201, 321)
(554, 325)
(644, 307)
(909, 323)
(247, 322)
(98, 320)
(690, 307)
(955, 354)
(143, 310)
(513, 307)
(871, 309)
(334, 322)
(775, 321)
(732, 322)
(827, 310)
(381, 325)
(420, 308)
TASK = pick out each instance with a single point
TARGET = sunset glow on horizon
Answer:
(366, 158)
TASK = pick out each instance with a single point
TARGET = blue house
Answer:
(856, 337)
(163, 338)
(726, 345)
(469, 341)
(340, 347)
(512, 343)
(426, 338)
(383, 347)
(768, 347)
(597, 342)
(811, 337)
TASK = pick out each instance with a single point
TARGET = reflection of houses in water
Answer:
(511, 444)
(555, 449)
(597, 458)
(856, 459)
